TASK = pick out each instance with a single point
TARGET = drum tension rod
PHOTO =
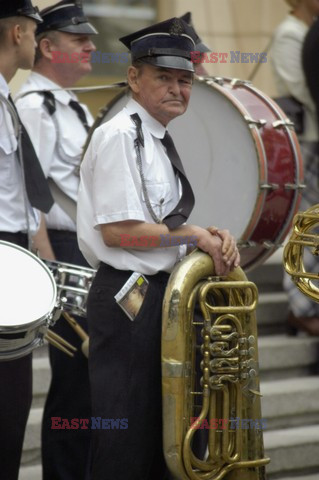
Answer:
(269, 186)
(294, 186)
(283, 123)
(258, 123)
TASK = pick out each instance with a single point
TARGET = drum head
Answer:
(219, 156)
(28, 290)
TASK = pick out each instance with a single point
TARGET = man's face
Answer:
(163, 92)
(27, 43)
(73, 57)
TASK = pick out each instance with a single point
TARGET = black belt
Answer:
(18, 238)
(62, 233)
(159, 276)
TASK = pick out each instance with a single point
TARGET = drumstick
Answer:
(79, 330)
(60, 343)
(76, 326)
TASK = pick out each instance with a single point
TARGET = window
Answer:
(114, 19)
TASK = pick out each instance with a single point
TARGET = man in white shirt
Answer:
(133, 194)
(58, 124)
(18, 219)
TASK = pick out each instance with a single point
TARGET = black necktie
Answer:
(36, 185)
(80, 113)
(186, 203)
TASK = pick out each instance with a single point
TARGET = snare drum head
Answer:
(27, 288)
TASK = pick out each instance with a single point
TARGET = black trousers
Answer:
(65, 452)
(15, 397)
(125, 376)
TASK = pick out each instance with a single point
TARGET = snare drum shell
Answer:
(28, 299)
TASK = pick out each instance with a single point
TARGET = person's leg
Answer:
(125, 376)
(65, 452)
(15, 398)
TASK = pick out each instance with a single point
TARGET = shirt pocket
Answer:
(160, 197)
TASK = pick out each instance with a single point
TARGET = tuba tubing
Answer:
(303, 236)
(230, 382)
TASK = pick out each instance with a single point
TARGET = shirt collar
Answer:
(4, 87)
(154, 126)
(44, 83)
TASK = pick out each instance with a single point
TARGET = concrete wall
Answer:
(232, 25)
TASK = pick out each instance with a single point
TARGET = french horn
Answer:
(229, 384)
(304, 236)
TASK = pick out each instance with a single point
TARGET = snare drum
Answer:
(28, 301)
(73, 284)
(242, 159)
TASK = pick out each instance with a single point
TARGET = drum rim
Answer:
(39, 321)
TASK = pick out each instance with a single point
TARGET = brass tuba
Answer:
(303, 236)
(229, 387)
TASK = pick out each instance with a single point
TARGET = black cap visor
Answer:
(32, 12)
(178, 63)
(84, 28)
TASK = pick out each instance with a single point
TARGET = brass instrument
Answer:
(303, 236)
(229, 384)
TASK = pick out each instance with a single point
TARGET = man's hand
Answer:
(221, 246)
(229, 250)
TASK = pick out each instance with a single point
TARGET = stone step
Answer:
(281, 356)
(272, 311)
(293, 450)
(41, 380)
(269, 275)
(303, 477)
(32, 441)
(290, 402)
(30, 473)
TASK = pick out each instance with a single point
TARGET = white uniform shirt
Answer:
(58, 140)
(285, 54)
(12, 197)
(111, 191)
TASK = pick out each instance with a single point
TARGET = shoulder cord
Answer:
(137, 142)
(49, 103)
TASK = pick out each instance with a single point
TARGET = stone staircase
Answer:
(289, 384)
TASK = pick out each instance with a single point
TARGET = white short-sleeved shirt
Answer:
(13, 211)
(111, 191)
(286, 60)
(58, 140)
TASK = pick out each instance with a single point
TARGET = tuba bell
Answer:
(304, 236)
(229, 384)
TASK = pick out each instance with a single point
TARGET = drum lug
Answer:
(283, 123)
(269, 186)
(247, 244)
(258, 123)
(236, 82)
(293, 186)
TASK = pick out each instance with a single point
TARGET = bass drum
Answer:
(242, 157)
